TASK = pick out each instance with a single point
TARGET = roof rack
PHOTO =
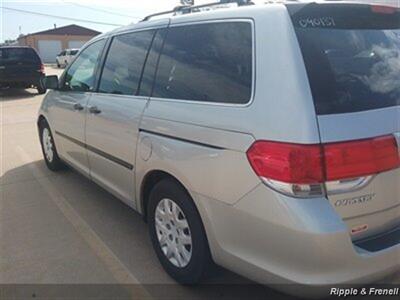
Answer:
(187, 9)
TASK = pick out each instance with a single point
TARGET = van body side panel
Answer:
(363, 124)
(111, 137)
(281, 108)
(185, 152)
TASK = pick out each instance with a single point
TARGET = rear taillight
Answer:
(360, 158)
(41, 69)
(381, 9)
(290, 163)
(308, 170)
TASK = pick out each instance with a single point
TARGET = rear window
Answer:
(74, 52)
(14, 55)
(352, 56)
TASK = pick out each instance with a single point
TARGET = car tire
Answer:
(41, 90)
(49, 150)
(192, 239)
(41, 87)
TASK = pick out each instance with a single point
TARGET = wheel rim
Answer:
(173, 233)
(47, 145)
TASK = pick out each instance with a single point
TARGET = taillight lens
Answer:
(360, 158)
(300, 170)
(290, 163)
(381, 9)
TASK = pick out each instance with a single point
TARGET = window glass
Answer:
(146, 83)
(206, 62)
(351, 53)
(81, 75)
(352, 70)
(124, 63)
(15, 55)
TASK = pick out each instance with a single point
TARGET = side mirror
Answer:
(51, 82)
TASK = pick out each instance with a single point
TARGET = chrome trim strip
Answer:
(347, 185)
(97, 151)
(140, 29)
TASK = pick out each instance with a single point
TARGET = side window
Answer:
(146, 84)
(124, 63)
(207, 62)
(81, 75)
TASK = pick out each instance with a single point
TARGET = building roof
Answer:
(68, 30)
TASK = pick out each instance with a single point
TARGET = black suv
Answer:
(21, 67)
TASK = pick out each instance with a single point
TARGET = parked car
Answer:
(263, 138)
(21, 67)
(65, 57)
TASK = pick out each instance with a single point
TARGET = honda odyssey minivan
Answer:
(263, 138)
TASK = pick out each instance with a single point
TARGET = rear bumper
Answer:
(33, 79)
(290, 243)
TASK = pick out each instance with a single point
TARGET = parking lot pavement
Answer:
(60, 228)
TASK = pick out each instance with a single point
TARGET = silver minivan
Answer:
(263, 138)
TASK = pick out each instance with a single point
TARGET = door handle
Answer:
(94, 110)
(78, 106)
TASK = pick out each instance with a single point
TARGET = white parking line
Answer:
(121, 274)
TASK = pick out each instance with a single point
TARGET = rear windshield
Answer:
(74, 52)
(15, 55)
(352, 56)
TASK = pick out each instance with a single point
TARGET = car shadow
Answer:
(121, 229)
(11, 94)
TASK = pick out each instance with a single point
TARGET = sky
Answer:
(117, 12)
(120, 12)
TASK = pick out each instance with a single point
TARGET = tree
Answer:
(8, 42)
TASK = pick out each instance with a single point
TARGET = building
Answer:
(51, 42)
